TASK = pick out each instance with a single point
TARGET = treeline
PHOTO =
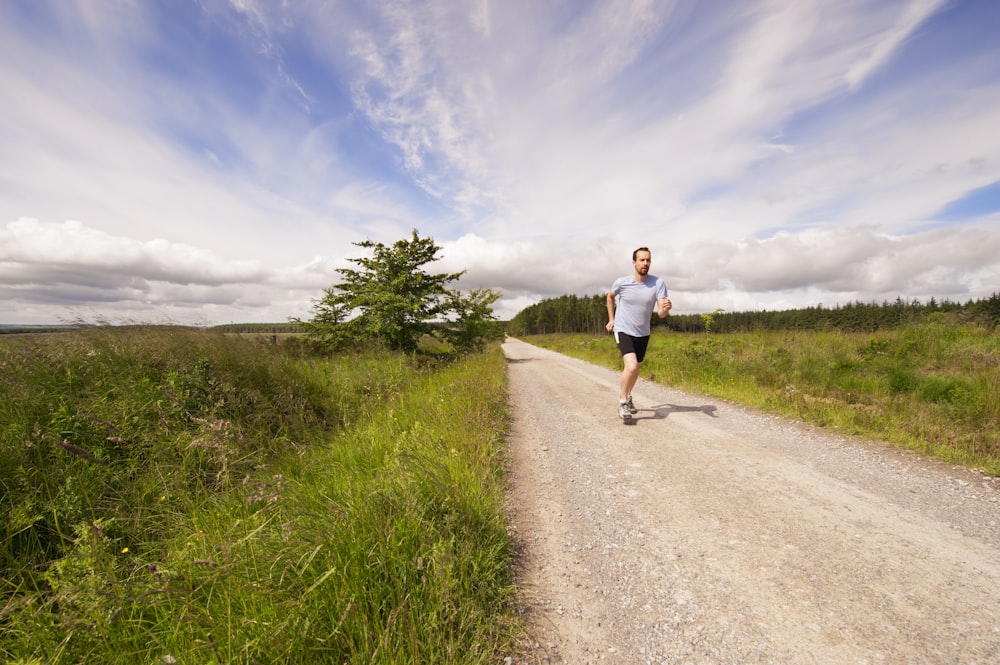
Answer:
(565, 314)
(574, 314)
(263, 328)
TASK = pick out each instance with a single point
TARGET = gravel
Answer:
(708, 533)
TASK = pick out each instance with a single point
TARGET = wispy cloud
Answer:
(219, 157)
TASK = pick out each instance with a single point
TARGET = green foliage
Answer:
(390, 298)
(475, 323)
(105, 418)
(709, 319)
(946, 390)
(200, 497)
(903, 380)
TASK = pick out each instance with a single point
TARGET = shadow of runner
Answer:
(664, 410)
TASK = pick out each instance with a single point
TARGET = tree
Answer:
(392, 299)
(475, 322)
(708, 319)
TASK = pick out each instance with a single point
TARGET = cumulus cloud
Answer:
(74, 266)
(834, 265)
(34, 251)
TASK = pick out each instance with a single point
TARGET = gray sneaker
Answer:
(631, 406)
(623, 411)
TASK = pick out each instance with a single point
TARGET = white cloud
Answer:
(34, 246)
(71, 266)
(889, 39)
(863, 260)
(788, 269)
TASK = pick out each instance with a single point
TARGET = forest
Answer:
(588, 314)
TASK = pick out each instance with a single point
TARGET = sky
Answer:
(214, 161)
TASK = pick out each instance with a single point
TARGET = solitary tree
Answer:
(392, 299)
(709, 319)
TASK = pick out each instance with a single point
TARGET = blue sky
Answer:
(208, 161)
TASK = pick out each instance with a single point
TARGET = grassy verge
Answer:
(186, 497)
(933, 387)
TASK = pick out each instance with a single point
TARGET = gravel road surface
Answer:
(708, 533)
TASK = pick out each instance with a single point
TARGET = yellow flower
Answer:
(124, 550)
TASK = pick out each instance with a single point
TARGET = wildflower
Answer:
(124, 550)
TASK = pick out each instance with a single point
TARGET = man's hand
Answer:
(663, 306)
(610, 326)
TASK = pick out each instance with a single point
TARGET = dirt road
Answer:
(708, 533)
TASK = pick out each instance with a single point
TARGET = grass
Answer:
(932, 387)
(191, 497)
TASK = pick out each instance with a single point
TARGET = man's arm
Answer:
(663, 306)
(611, 311)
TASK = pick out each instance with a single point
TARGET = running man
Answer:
(631, 302)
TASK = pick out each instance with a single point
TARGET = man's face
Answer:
(641, 263)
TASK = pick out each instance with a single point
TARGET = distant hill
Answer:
(14, 328)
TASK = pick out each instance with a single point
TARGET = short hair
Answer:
(635, 254)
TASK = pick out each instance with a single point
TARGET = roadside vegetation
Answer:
(175, 495)
(180, 496)
(932, 385)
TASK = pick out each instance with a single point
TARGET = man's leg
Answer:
(630, 375)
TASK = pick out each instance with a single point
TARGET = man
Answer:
(637, 296)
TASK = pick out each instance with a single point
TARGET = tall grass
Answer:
(187, 497)
(932, 387)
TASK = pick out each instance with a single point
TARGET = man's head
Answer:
(641, 259)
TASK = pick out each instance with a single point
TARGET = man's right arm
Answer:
(611, 311)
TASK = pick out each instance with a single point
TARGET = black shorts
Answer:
(630, 344)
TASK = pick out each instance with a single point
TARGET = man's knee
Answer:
(631, 362)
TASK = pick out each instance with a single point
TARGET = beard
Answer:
(644, 270)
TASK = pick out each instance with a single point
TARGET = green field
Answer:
(183, 496)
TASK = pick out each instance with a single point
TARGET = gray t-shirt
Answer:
(636, 301)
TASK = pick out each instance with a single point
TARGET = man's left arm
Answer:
(663, 304)
(663, 307)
